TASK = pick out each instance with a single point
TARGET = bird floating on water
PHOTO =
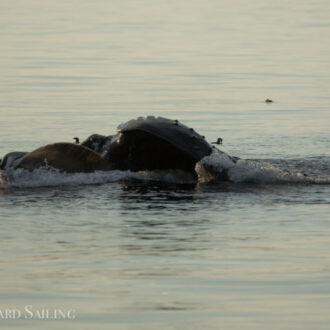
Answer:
(269, 101)
(218, 141)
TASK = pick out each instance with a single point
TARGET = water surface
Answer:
(153, 251)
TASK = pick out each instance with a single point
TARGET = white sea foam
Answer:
(249, 171)
(51, 177)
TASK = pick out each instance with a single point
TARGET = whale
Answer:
(67, 157)
(152, 143)
(145, 143)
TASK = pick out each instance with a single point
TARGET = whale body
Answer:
(155, 143)
(66, 157)
(151, 143)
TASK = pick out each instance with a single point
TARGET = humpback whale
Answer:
(66, 157)
(151, 143)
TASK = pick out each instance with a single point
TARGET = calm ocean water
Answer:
(155, 250)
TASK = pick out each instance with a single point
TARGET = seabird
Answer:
(218, 141)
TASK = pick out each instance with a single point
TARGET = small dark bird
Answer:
(218, 141)
(76, 139)
(269, 101)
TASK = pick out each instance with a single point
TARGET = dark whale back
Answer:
(178, 135)
(67, 157)
(156, 143)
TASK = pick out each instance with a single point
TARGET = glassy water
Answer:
(156, 250)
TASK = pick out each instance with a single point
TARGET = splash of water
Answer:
(249, 171)
(43, 177)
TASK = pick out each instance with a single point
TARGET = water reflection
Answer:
(156, 192)
(165, 223)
